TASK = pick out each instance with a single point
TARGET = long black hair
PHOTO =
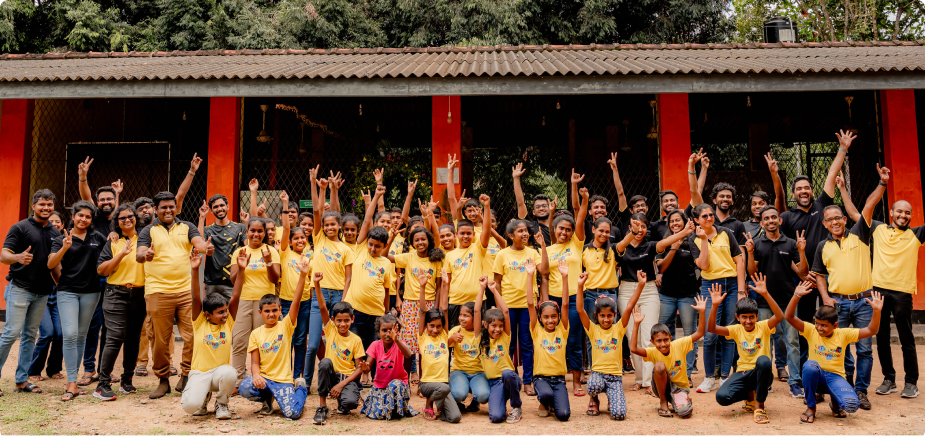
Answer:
(513, 224)
(434, 254)
(668, 232)
(488, 316)
(263, 222)
(607, 245)
(114, 222)
(561, 216)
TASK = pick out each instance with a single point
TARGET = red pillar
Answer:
(674, 135)
(15, 150)
(901, 154)
(447, 138)
(223, 160)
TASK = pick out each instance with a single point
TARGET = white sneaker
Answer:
(721, 381)
(222, 412)
(707, 386)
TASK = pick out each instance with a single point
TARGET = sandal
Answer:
(68, 396)
(28, 388)
(837, 411)
(749, 407)
(141, 371)
(579, 392)
(636, 387)
(36, 378)
(593, 409)
(648, 391)
(58, 376)
(429, 414)
(86, 380)
(665, 413)
(807, 418)
(529, 391)
(761, 416)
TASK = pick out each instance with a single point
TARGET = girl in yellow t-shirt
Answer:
(550, 339)
(510, 273)
(435, 355)
(467, 375)
(294, 247)
(495, 351)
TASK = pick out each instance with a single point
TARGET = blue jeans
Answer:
(461, 383)
(314, 330)
(48, 346)
(96, 335)
(291, 399)
(503, 389)
(24, 312)
(590, 299)
(816, 380)
(299, 336)
(76, 312)
(857, 313)
(778, 342)
(670, 306)
(551, 392)
(714, 345)
(576, 334)
(520, 332)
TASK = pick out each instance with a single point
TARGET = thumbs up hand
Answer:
(25, 257)
(210, 248)
(149, 255)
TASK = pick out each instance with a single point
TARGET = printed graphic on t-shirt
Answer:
(417, 271)
(497, 354)
(552, 346)
(675, 369)
(463, 262)
(256, 264)
(272, 348)
(215, 341)
(386, 364)
(331, 256)
(372, 270)
(471, 350)
(293, 263)
(750, 349)
(520, 267)
(830, 355)
(493, 249)
(342, 354)
(561, 256)
(435, 349)
(606, 346)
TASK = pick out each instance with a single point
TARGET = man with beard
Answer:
(227, 237)
(30, 284)
(539, 217)
(144, 208)
(806, 218)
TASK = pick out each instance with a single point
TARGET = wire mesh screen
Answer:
(147, 143)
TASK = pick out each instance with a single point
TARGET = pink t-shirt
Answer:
(389, 365)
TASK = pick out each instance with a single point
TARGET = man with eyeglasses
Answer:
(806, 218)
(541, 215)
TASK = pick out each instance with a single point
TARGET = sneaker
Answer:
(104, 392)
(628, 366)
(515, 415)
(321, 416)
(542, 411)
(721, 381)
(222, 411)
(796, 391)
(887, 388)
(267, 408)
(910, 391)
(707, 386)
(127, 387)
(863, 402)
(299, 382)
(204, 410)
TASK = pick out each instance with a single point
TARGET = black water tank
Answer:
(781, 30)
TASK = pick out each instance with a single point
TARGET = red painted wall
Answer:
(223, 160)
(15, 149)
(674, 130)
(901, 153)
(447, 138)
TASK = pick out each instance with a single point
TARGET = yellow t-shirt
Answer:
(602, 274)
(342, 350)
(549, 350)
(723, 249)
(845, 263)
(330, 259)
(896, 256)
(414, 265)
(397, 248)
(289, 274)
(353, 248)
(256, 282)
(369, 279)
(129, 271)
(498, 357)
(464, 265)
(435, 358)
(512, 266)
(571, 253)
(607, 348)
(751, 345)
(488, 262)
(675, 361)
(829, 352)
(171, 250)
(211, 343)
(275, 347)
(466, 352)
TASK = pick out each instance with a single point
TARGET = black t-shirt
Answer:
(35, 277)
(638, 258)
(680, 279)
(227, 240)
(623, 223)
(735, 226)
(535, 225)
(658, 229)
(775, 259)
(101, 224)
(78, 266)
(796, 220)
(753, 227)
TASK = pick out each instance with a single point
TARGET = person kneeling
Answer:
(390, 396)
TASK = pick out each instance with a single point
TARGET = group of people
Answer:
(463, 311)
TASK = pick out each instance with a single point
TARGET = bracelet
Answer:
(83, 179)
(190, 172)
(881, 183)
(843, 149)
(692, 173)
(741, 292)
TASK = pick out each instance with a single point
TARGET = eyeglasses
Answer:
(834, 218)
(125, 219)
(106, 200)
(706, 216)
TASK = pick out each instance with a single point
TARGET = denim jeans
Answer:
(857, 313)
(291, 399)
(520, 334)
(24, 312)
(552, 393)
(299, 337)
(96, 335)
(787, 345)
(48, 346)
(314, 329)
(462, 383)
(670, 306)
(714, 345)
(76, 312)
(816, 380)
(503, 389)
(576, 333)
(590, 299)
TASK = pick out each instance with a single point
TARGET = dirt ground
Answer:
(23, 414)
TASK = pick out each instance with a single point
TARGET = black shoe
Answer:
(181, 384)
(628, 366)
(127, 387)
(887, 388)
(910, 391)
(104, 392)
(863, 402)
(321, 416)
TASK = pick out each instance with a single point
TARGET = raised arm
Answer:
(322, 306)
(543, 266)
(703, 259)
(304, 266)
(877, 194)
(368, 217)
(284, 218)
(495, 288)
(761, 287)
(253, 186)
(451, 163)
(876, 302)
(844, 142)
(195, 260)
(752, 267)
(336, 181)
(477, 315)
(801, 268)
(241, 260)
(779, 202)
(531, 284)
(700, 304)
(621, 196)
(671, 239)
(406, 209)
(576, 178)
(485, 237)
(82, 170)
(641, 278)
(580, 298)
(582, 214)
(317, 205)
(203, 213)
(717, 296)
(696, 197)
(186, 183)
(790, 313)
(850, 208)
(638, 316)
(273, 268)
(517, 172)
(423, 278)
(702, 178)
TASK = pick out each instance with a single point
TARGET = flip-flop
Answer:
(36, 378)
(593, 409)
(58, 376)
(665, 413)
(807, 418)
(71, 395)
(87, 380)
(429, 414)
(579, 392)
(529, 391)
(28, 388)
(141, 371)
(749, 407)
(761, 416)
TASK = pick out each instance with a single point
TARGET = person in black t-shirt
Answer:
(540, 217)
(227, 237)
(722, 196)
(597, 208)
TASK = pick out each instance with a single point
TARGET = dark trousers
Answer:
(452, 316)
(739, 384)
(327, 378)
(503, 389)
(364, 326)
(520, 336)
(899, 305)
(576, 333)
(806, 309)
(49, 344)
(96, 335)
(124, 311)
(299, 336)
(551, 392)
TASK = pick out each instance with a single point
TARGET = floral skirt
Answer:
(410, 320)
(389, 403)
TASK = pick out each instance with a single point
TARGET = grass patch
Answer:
(26, 415)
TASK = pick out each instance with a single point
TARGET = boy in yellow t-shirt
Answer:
(270, 348)
(824, 372)
(669, 375)
(210, 370)
(753, 375)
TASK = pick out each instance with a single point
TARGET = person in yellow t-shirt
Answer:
(495, 353)
(466, 374)
(824, 371)
(474, 211)
(465, 264)
(671, 384)
(294, 247)
(550, 339)
(435, 355)
(263, 270)
(270, 348)
(753, 376)
(211, 370)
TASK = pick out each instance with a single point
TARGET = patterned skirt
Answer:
(410, 320)
(389, 403)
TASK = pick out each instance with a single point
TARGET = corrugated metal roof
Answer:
(594, 59)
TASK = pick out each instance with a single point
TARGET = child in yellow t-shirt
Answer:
(466, 374)
(210, 370)
(670, 359)
(294, 247)
(270, 349)
(495, 352)
(435, 355)
(753, 375)
(550, 338)
(824, 372)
